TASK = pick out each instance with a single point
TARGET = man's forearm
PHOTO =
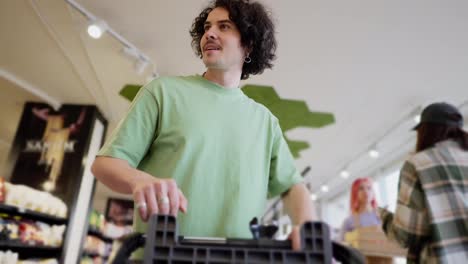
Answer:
(151, 195)
(115, 173)
(298, 205)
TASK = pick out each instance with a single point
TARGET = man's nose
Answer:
(211, 33)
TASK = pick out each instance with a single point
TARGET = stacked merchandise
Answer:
(16, 229)
(25, 197)
(101, 239)
(31, 225)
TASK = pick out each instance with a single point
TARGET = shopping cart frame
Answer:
(162, 244)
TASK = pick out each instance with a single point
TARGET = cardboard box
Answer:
(372, 241)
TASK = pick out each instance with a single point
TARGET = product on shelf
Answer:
(101, 239)
(108, 229)
(53, 234)
(28, 198)
(9, 227)
(30, 232)
(96, 221)
(96, 246)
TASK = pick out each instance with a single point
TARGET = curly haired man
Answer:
(197, 144)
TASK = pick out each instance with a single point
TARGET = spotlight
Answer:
(313, 197)
(97, 28)
(374, 153)
(344, 174)
(324, 188)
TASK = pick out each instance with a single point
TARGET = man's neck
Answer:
(223, 78)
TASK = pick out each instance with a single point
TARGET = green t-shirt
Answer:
(225, 151)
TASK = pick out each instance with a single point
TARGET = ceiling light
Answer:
(324, 188)
(417, 119)
(97, 28)
(344, 174)
(374, 153)
(313, 197)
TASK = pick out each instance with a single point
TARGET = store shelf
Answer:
(98, 234)
(30, 251)
(13, 210)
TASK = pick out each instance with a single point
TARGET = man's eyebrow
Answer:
(225, 21)
(219, 22)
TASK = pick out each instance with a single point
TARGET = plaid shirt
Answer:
(431, 217)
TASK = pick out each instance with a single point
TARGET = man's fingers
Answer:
(295, 238)
(172, 193)
(182, 202)
(140, 204)
(153, 207)
(162, 198)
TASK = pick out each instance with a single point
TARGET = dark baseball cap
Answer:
(441, 113)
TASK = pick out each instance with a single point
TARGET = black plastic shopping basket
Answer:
(163, 245)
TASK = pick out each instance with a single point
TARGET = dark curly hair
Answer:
(256, 28)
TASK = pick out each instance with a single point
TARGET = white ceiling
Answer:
(371, 63)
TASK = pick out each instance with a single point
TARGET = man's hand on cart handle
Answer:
(157, 196)
(295, 237)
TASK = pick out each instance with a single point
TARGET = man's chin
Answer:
(212, 65)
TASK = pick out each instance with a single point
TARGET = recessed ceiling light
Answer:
(344, 174)
(374, 153)
(313, 197)
(324, 188)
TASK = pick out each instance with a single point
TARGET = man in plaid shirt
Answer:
(431, 217)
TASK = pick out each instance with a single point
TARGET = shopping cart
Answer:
(163, 245)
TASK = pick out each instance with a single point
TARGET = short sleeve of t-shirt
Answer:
(136, 131)
(283, 172)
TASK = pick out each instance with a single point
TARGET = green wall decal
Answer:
(129, 91)
(290, 113)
